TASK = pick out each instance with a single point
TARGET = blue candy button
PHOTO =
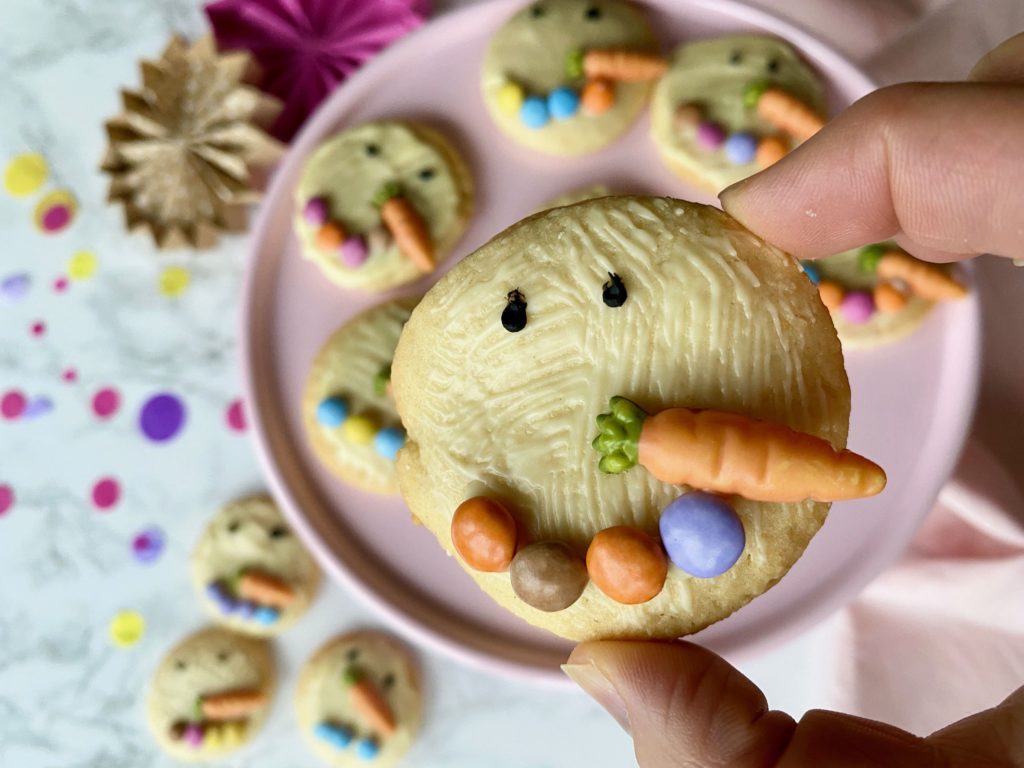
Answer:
(702, 534)
(337, 736)
(388, 441)
(331, 412)
(367, 749)
(811, 271)
(265, 615)
(563, 103)
(534, 112)
(741, 148)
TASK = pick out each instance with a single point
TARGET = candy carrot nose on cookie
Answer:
(732, 454)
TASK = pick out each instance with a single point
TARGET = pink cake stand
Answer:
(912, 401)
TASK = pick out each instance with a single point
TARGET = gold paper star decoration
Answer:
(188, 151)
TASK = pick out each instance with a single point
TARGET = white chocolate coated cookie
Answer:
(699, 106)
(527, 58)
(358, 701)
(210, 694)
(347, 408)
(715, 318)
(339, 188)
(250, 570)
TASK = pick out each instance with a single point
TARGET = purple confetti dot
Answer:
(15, 287)
(37, 407)
(148, 544)
(162, 417)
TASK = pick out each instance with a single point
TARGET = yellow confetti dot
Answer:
(25, 174)
(174, 281)
(82, 265)
(126, 629)
(510, 98)
(56, 211)
(359, 429)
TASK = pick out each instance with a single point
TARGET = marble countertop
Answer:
(68, 696)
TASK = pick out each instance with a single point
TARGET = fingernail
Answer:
(590, 679)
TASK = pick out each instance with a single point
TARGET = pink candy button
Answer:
(354, 251)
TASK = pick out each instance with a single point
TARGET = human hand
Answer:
(938, 166)
(687, 708)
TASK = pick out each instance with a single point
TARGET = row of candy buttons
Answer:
(563, 103)
(243, 609)
(741, 148)
(340, 737)
(332, 412)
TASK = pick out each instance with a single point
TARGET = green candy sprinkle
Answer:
(381, 380)
(618, 441)
(574, 63)
(869, 257)
(753, 92)
(389, 190)
(351, 675)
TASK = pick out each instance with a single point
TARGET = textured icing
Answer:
(221, 554)
(341, 170)
(322, 696)
(347, 365)
(248, 665)
(701, 72)
(532, 52)
(513, 414)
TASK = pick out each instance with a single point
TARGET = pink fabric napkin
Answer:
(941, 635)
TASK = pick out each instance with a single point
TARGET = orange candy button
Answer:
(889, 298)
(627, 565)
(598, 96)
(484, 534)
(770, 150)
(831, 294)
(329, 236)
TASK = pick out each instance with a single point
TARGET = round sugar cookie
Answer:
(250, 570)
(705, 118)
(506, 364)
(358, 701)
(869, 310)
(539, 98)
(347, 408)
(338, 213)
(210, 694)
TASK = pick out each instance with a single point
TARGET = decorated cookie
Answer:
(251, 572)
(626, 417)
(880, 293)
(348, 410)
(567, 77)
(731, 106)
(358, 701)
(210, 694)
(382, 204)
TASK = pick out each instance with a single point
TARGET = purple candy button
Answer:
(857, 307)
(148, 545)
(710, 136)
(193, 735)
(162, 417)
(315, 212)
(702, 534)
(354, 251)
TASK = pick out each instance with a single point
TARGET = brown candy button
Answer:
(626, 564)
(484, 534)
(548, 575)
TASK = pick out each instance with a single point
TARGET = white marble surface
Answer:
(68, 698)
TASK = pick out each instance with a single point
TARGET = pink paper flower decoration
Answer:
(308, 47)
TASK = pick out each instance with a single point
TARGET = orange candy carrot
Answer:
(371, 706)
(622, 65)
(926, 280)
(407, 227)
(265, 589)
(789, 114)
(232, 705)
(731, 453)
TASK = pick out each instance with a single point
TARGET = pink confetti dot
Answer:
(56, 218)
(60, 284)
(6, 499)
(106, 493)
(236, 416)
(106, 402)
(38, 328)
(70, 375)
(12, 405)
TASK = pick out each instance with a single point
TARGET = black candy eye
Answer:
(427, 174)
(614, 291)
(278, 532)
(233, 526)
(388, 681)
(735, 57)
(513, 317)
(593, 13)
(352, 655)
(536, 11)
(773, 65)
(180, 665)
(372, 150)
(223, 656)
